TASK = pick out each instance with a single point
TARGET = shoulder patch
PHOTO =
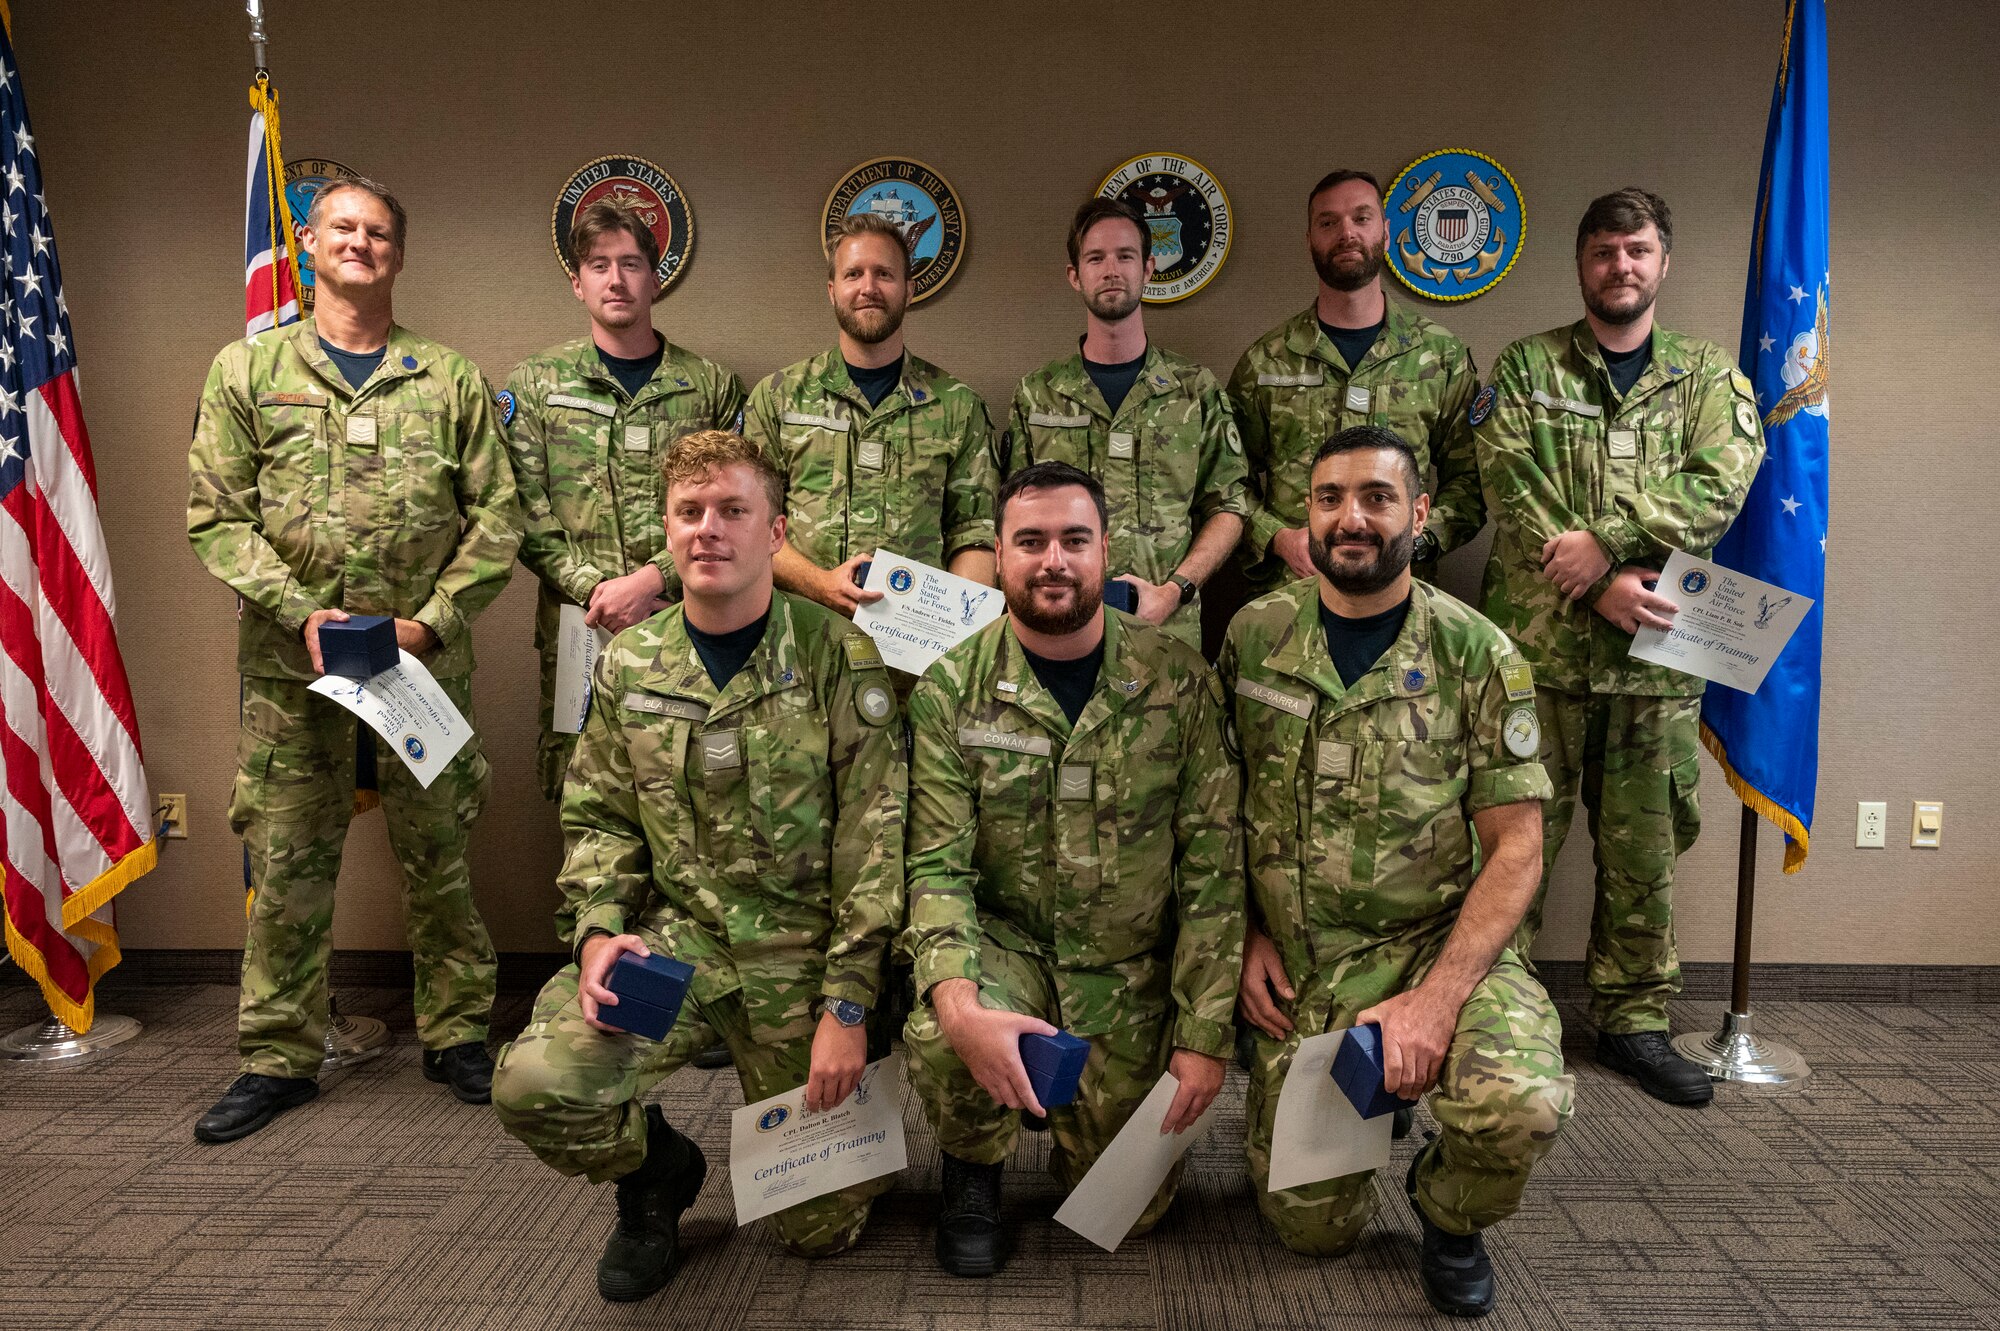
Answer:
(1746, 417)
(874, 703)
(1234, 438)
(1519, 677)
(1739, 383)
(1482, 405)
(862, 653)
(1521, 732)
(504, 400)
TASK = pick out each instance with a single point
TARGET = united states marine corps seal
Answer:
(919, 201)
(1455, 221)
(661, 204)
(1187, 213)
(305, 177)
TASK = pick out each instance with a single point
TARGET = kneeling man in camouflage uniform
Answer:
(1383, 727)
(736, 802)
(1073, 861)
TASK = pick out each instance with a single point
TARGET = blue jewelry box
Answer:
(1357, 1070)
(650, 991)
(1054, 1064)
(359, 647)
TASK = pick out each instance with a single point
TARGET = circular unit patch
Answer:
(1521, 732)
(1456, 220)
(1187, 213)
(661, 204)
(304, 179)
(919, 201)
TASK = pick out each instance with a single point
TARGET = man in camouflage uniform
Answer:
(878, 447)
(588, 423)
(1073, 862)
(1166, 450)
(736, 802)
(1604, 446)
(340, 466)
(1383, 726)
(1355, 358)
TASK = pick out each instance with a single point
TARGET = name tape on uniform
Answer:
(1270, 697)
(1571, 404)
(839, 423)
(683, 708)
(1057, 422)
(971, 737)
(590, 404)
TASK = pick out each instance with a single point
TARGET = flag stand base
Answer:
(351, 1040)
(52, 1041)
(1737, 1053)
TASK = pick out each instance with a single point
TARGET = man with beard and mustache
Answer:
(1073, 860)
(1154, 428)
(877, 446)
(1604, 446)
(1354, 358)
(1382, 725)
(608, 405)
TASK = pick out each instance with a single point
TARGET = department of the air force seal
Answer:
(1187, 212)
(773, 1118)
(304, 179)
(1694, 582)
(1455, 224)
(919, 201)
(414, 747)
(661, 204)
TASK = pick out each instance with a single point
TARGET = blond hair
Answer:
(865, 224)
(699, 456)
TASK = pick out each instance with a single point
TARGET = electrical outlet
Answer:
(172, 810)
(1927, 823)
(1871, 825)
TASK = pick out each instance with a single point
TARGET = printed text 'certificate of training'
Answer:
(779, 1155)
(924, 612)
(1729, 628)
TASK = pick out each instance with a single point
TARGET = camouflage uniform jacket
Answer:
(393, 499)
(756, 832)
(1169, 460)
(1293, 391)
(1665, 467)
(587, 459)
(1357, 802)
(1108, 850)
(914, 473)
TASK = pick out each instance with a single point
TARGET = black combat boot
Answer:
(1456, 1275)
(466, 1068)
(644, 1249)
(251, 1101)
(970, 1241)
(1649, 1058)
(715, 1056)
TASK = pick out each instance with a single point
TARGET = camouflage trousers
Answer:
(293, 799)
(970, 1124)
(1637, 761)
(571, 1093)
(552, 755)
(1500, 1102)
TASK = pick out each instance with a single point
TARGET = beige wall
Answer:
(476, 113)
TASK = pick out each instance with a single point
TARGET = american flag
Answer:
(74, 812)
(270, 284)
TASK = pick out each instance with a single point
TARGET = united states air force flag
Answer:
(1768, 742)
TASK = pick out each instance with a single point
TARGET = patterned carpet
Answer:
(1866, 1201)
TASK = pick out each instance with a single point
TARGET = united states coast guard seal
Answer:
(661, 204)
(1187, 213)
(1455, 222)
(305, 177)
(919, 201)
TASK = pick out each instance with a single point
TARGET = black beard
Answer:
(1021, 604)
(1392, 559)
(1351, 279)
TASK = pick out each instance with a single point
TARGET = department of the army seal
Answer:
(1188, 214)
(915, 198)
(305, 177)
(1456, 220)
(661, 204)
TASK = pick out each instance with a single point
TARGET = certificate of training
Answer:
(780, 1155)
(924, 612)
(1113, 1195)
(577, 646)
(405, 706)
(1316, 1133)
(1729, 628)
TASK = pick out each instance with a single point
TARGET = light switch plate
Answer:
(1927, 823)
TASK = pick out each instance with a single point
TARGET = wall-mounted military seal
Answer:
(1187, 211)
(917, 199)
(1456, 221)
(661, 203)
(305, 177)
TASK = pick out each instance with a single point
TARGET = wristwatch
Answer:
(1427, 549)
(846, 1013)
(1189, 589)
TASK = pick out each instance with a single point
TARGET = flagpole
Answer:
(1735, 1052)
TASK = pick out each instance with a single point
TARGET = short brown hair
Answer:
(602, 217)
(696, 457)
(1623, 212)
(1341, 177)
(865, 224)
(399, 220)
(1100, 209)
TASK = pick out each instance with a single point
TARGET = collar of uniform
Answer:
(1120, 678)
(404, 355)
(1399, 333)
(1302, 652)
(772, 668)
(1668, 365)
(669, 376)
(1405, 670)
(914, 388)
(1069, 378)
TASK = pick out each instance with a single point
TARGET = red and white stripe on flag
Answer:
(270, 298)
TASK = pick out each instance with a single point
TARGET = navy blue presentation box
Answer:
(1357, 1070)
(1054, 1064)
(359, 647)
(1121, 596)
(650, 991)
